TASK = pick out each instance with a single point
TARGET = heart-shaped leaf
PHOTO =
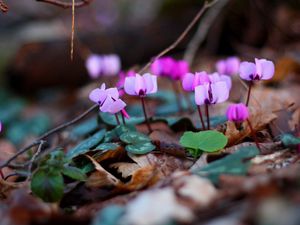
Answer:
(48, 184)
(233, 164)
(86, 145)
(289, 140)
(134, 138)
(74, 173)
(140, 148)
(207, 141)
(107, 146)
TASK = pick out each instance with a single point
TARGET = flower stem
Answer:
(201, 117)
(117, 119)
(249, 91)
(176, 92)
(207, 116)
(253, 134)
(123, 119)
(145, 114)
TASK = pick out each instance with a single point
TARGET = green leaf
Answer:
(134, 137)
(74, 173)
(86, 145)
(84, 128)
(289, 140)
(10, 110)
(234, 164)
(107, 146)
(48, 184)
(140, 148)
(207, 141)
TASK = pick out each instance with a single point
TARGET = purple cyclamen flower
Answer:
(107, 99)
(211, 93)
(169, 67)
(163, 66)
(94, 66)
(262, 70)
(237, 112)
(229, 66)
(190, 80)
(141, 85)
(181, 67)
(216, 77)
(98, 65)
(0, 126)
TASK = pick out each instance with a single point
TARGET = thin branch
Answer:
(34, 157)
(3, 6)
(66, 5)
(182, 36)
(47, 134)
(202, 31)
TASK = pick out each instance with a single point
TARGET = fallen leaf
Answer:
(125, 168)
(100, 177)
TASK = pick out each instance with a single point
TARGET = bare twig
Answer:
(202, 31)
(66, 5)
(182, 36)
(73, 30)
(47, 134)
(3, 6)
(34, 157)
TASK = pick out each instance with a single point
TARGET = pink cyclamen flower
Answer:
(94, 66)
(211, 93)
(190, 80)
(0, 126)
(262, 69)
(215, 77)
(141, 85)
(122, 76)
(229, 66)
(163, 66)
(98, 65)
(237, 112)
(181, 67)
(107, 99)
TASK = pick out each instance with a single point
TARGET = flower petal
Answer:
(266, 68)
(221, 66)
(117, 106)
(246, 70)
(97, 95)
(129, 86)
(201, 94)
(188, 82)
(93, 66)
(107, 104)
(151, 83)
(139, 86)
(113, 92)
(220, 91)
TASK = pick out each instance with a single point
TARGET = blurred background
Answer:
(35, 36)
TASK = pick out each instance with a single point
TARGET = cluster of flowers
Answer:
(208, 88)
(98, 65)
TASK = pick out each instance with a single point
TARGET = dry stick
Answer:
(3, 6)
(73, 30)
(182, 36)
(145, 114)
(33, 158)
(202, 31)
(47, 134)
(201, 117)
(66, 5)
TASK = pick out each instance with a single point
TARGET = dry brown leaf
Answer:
(101, 177)
(259, 118)
(141, 178)
(164, 163)
(7, 151)
(124, 168)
